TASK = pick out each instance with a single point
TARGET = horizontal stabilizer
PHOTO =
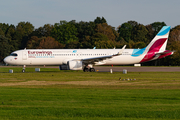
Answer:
(165, 52)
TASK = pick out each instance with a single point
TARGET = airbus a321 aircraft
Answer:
(84, 59)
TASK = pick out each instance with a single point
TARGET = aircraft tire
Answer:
(23, 70)
(92, 70)
(85, 69)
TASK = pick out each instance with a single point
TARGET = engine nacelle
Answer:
(63, 67)
(75, 65)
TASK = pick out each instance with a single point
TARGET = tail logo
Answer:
(158, 44)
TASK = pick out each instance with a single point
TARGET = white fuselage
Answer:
(61, 56)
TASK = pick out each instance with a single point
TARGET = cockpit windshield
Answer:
(13, 54)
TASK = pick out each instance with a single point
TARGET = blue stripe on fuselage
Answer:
(138, 52)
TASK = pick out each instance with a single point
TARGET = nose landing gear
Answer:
(23, 70)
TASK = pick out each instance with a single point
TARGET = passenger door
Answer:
(24, 55)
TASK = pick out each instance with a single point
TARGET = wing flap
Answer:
(95, 59)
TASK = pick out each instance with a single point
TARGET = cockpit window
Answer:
(13, 54)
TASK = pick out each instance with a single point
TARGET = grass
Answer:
(154, 95)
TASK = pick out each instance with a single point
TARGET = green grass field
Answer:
(54, 94)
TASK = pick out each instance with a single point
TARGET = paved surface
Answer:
(120, 68)
(137, 69)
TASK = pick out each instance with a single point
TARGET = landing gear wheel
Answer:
(92, 70)
(23, 70)
(85, 69)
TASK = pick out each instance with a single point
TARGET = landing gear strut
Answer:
(23, 70)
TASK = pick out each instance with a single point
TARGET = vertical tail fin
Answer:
(160, 41)
(157, 45)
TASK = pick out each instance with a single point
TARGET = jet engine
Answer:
(75, 65)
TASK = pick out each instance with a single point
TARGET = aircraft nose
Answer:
(6, 60)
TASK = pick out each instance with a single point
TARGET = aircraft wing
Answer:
(94, 60)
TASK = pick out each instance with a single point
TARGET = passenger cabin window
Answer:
(13, 54)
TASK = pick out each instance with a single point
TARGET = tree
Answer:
(125, 31)
(33, 42)
(156, 26)
(150, 33)
(10, 34)
(139, 45)
(174, 45)
(175, 34)
(43, 43)
(22, 33)
(120, 43)
(101, 41)
(1, 32)
(44, 31)
(5, 47)
(175, 58)
(133, 23)
(107, 30)
(72, 45)
(99, 20)
(64, 32)
(4, 27)
(139, 33)
(87, 43)
(49, 43)
(8, 31)
(131, 44)
(85, 29)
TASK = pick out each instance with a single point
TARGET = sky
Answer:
(116, 12)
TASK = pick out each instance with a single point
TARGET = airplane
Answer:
(85, 59)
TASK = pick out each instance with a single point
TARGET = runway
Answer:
(120, 68)
(137, 69)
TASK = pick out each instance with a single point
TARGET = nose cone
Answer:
(7, 60)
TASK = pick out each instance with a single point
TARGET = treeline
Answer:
(97, 33)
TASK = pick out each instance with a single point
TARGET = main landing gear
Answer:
(88, 69)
